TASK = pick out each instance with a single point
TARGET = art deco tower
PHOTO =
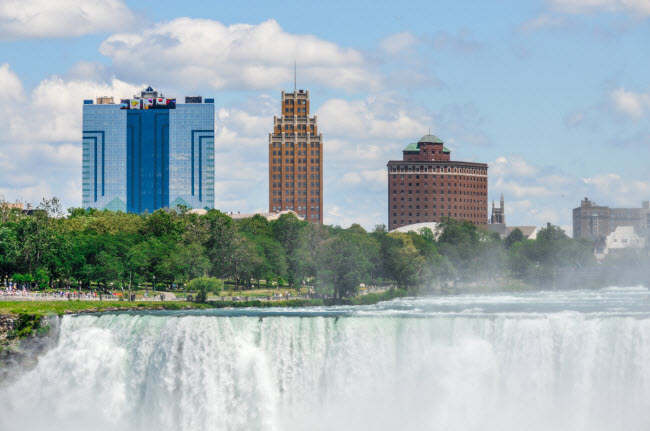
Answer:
(296, 160)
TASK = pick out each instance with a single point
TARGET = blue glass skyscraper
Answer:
(148, 153)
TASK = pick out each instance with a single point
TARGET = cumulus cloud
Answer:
(40, 148)
(639, 8)
(376, 177)
(512, 166)
(61, 18)
(381, 118)
(619, 190)
(630, 103)
(207, 53)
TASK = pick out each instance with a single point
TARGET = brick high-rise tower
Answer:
(296, 160)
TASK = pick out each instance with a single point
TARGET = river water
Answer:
(570, 360)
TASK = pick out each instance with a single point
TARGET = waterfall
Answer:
(409, 365)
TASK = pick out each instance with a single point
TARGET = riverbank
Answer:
(79, 306)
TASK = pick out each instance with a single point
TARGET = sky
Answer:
(553, 94)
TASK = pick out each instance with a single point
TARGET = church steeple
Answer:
(499, 214)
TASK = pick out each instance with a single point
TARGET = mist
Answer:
(537, 361)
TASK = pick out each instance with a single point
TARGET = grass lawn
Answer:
(66, 307)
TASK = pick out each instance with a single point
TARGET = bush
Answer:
(208, 284)
(201, 295)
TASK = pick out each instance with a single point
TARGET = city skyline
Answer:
(545, 94)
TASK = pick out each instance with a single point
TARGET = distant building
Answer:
(148, 152)
(623, 237)
(427, 186)
(416, 227)
(498, 223)
(24, 208)
(598, 222)
(529, 232)
(296, 160)
(268, 216)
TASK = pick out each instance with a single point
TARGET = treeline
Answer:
(170, 248)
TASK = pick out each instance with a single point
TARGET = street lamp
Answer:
(154, 283)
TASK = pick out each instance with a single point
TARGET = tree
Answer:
(341, 266)
(514, 237)
(208, 284)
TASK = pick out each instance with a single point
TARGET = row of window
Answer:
(291, 134)
(292, 192)
(476, 201)
(300, 145)
(297, 126)
(300, 184)
(300, 153)
(300, 168)
(300, 200)
(442, 217)
(442, 184)
(462, 207)
(296, 101)
(464, 215)
(442, 169)
(299, 160)
(442, 192)
(287, 110)
(299, 176)
(279, 200)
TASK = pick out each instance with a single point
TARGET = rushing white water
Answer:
(544, 361)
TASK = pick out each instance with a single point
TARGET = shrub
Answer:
(208, 284)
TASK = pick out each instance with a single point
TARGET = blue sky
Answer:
(553, 94)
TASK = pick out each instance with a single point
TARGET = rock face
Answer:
(7, 324)
(21, 354)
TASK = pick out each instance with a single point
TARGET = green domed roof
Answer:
(411, 147)
(432, 139)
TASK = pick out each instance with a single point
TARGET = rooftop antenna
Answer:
(295, 73)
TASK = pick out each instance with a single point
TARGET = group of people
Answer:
(12, 289)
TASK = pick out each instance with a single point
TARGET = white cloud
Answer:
(512, 166)
(633, 7)
(61, 18)
(42, 161)
(535, 195)
(202, 52)
(630, 103)
(374, 117)
(369, 178)
(397, 43)
(618, 190)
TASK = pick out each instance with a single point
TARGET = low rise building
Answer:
(623, 237)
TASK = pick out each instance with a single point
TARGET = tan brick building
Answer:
(427, 186)
(596, 222)
(296, 160)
